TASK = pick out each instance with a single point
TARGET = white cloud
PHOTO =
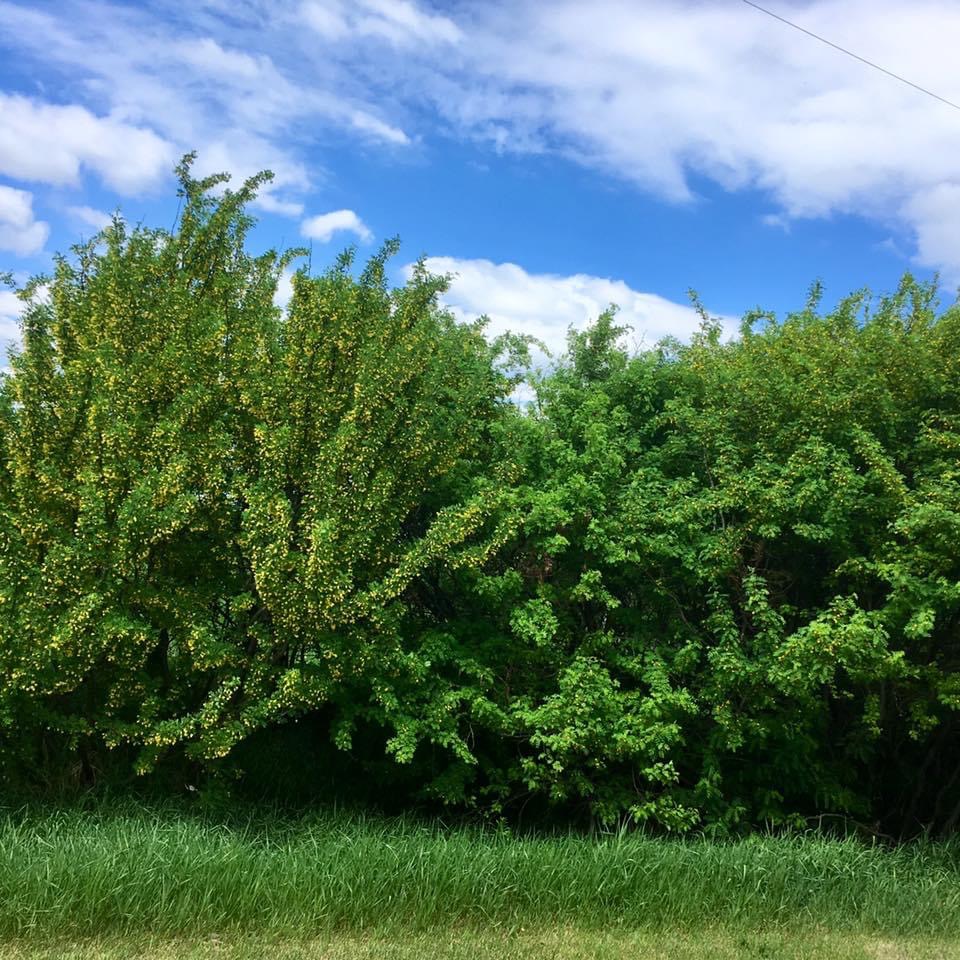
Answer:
(662, 94)
(661, 91)
(378, 129)
(91, 216)
(778, 220)
(10, 307)
(399, 22)
(935, 213)
(268, 202)
(205, 55)
(325, 225)
(545, 305)
(284, 291)
(52, 144)
(329, 20)
(243, 156)
(20, 233)
(148, 88)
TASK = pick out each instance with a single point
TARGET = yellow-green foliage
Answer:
(211, 509)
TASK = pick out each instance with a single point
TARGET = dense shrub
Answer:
(735, 594)
(712, 584)
(211, 512)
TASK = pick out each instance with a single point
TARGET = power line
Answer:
(850, 53)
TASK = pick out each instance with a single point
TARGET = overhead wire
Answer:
(850, 53)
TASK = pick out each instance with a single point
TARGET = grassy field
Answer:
(160, 884)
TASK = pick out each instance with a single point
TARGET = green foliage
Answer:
(711, 585)
(739, 577)
(210, 510)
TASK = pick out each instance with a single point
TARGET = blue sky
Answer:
(553, 156)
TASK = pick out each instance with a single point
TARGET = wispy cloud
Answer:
(659, 94)
(148, 87)
(90, 216)
(400, 22)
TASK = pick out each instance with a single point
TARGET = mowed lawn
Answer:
(563, 943)
(125, 882)
(558, 943)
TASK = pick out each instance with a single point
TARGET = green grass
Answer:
(135, 881)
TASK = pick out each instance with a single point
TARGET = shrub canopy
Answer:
(712, 584)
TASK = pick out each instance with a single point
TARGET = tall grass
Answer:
(73, 873)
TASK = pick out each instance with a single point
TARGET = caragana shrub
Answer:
(211, 509)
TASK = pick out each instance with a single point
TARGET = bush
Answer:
(712, 585)
(211, 510)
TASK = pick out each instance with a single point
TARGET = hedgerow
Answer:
(708, 585)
